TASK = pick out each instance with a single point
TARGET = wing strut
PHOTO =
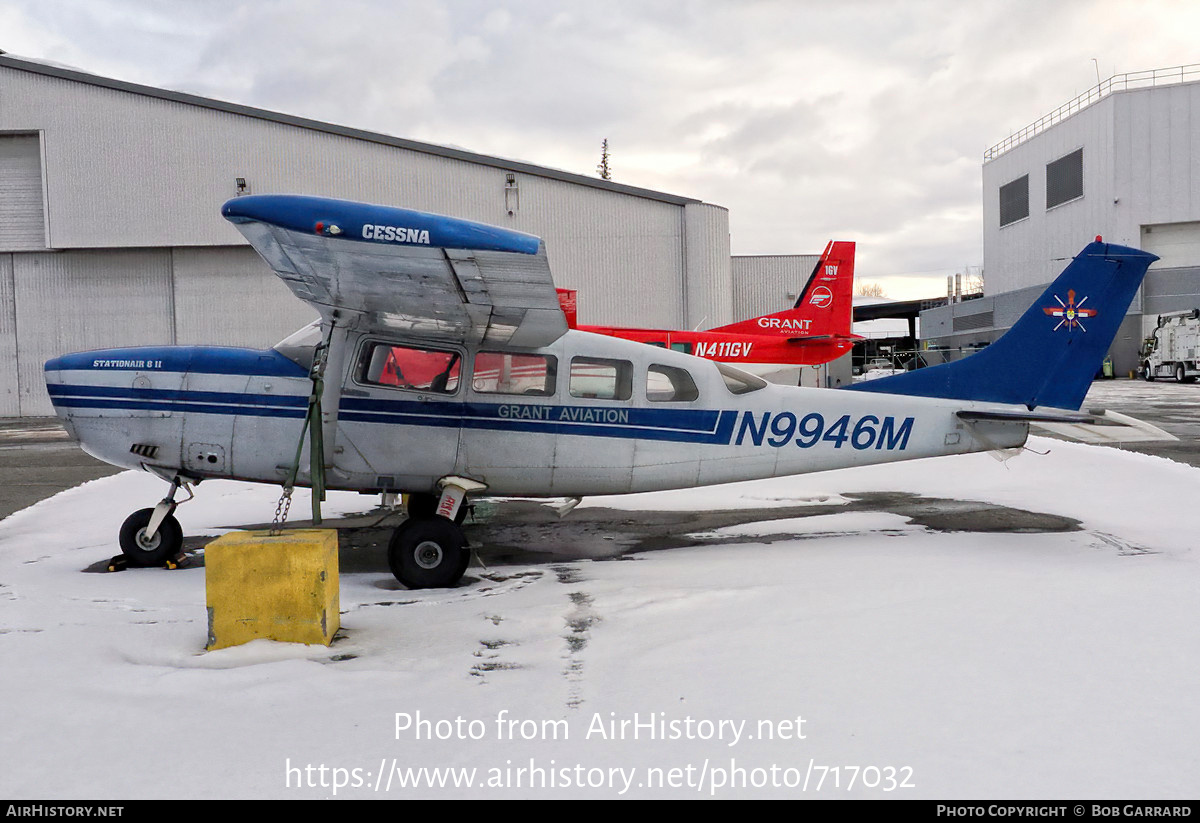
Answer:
(316, 442)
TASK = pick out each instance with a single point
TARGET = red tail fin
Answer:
(567, 302)
(824, 308)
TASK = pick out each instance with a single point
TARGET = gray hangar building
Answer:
(111, 234)
(1121, 161)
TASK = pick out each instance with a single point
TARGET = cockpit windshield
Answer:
(738, 381)
(300, 345)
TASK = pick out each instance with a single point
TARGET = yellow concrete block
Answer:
(280, 587)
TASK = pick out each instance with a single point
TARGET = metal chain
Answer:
(281, 512)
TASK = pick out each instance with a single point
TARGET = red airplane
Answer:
(775, 346)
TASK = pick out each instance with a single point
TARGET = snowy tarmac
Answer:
(949, 628)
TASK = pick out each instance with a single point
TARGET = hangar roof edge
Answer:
(49, 70)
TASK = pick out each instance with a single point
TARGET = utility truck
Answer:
(1173, 349)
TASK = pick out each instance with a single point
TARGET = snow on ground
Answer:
(851, 647)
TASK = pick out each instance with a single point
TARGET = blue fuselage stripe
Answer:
(177, 395)
(674, 425)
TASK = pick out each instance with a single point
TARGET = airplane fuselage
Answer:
(769, 355)
(586, 415)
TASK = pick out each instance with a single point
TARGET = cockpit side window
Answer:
(407, 367)
(601, 379)
(508, 373)
(668, 384)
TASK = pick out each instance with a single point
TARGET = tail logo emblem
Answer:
(1070, 312)
(821, 297)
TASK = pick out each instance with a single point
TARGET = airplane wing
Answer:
(380, 267)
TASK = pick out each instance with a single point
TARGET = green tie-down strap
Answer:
(312, 425)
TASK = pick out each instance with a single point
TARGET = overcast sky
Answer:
(809, 121)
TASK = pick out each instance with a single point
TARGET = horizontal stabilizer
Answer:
(972, 416)
(1106, 427)
(824, 338)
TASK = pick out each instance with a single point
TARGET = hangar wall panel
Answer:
(707, 275)
(125, 169)
(1157, 134)
(80, 300)
(765, 284)
(10, 405)
(1176, 244)
(229, 297)
(1170, 290)
(624, 255)
(22, 217)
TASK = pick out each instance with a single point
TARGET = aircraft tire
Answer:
(167, 543)
(428, 553)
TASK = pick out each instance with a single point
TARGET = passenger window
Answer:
(599, 379)
(738, 381)
(505, 373)
(686, 348)
(667, 384)
(404, 367)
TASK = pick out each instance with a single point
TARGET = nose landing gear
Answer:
(152, 537)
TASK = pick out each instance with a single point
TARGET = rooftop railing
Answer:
(1118, 82)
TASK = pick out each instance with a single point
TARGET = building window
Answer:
(1064, 179)
(1014, 201)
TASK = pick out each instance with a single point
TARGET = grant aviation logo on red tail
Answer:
(821, 297)
(1070, 312)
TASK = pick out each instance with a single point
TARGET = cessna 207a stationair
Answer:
(442, 366)
(776, 346)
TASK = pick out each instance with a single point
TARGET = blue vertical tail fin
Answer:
(1048, 358)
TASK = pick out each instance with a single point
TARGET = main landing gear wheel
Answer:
(428, 553)
(155, 551)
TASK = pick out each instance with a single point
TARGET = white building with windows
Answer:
(1121, 162)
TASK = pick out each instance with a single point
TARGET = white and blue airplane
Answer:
(442, 366)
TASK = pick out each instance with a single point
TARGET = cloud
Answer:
(808, 120)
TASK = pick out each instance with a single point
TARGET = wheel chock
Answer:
(120, 562)
(273, 586)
